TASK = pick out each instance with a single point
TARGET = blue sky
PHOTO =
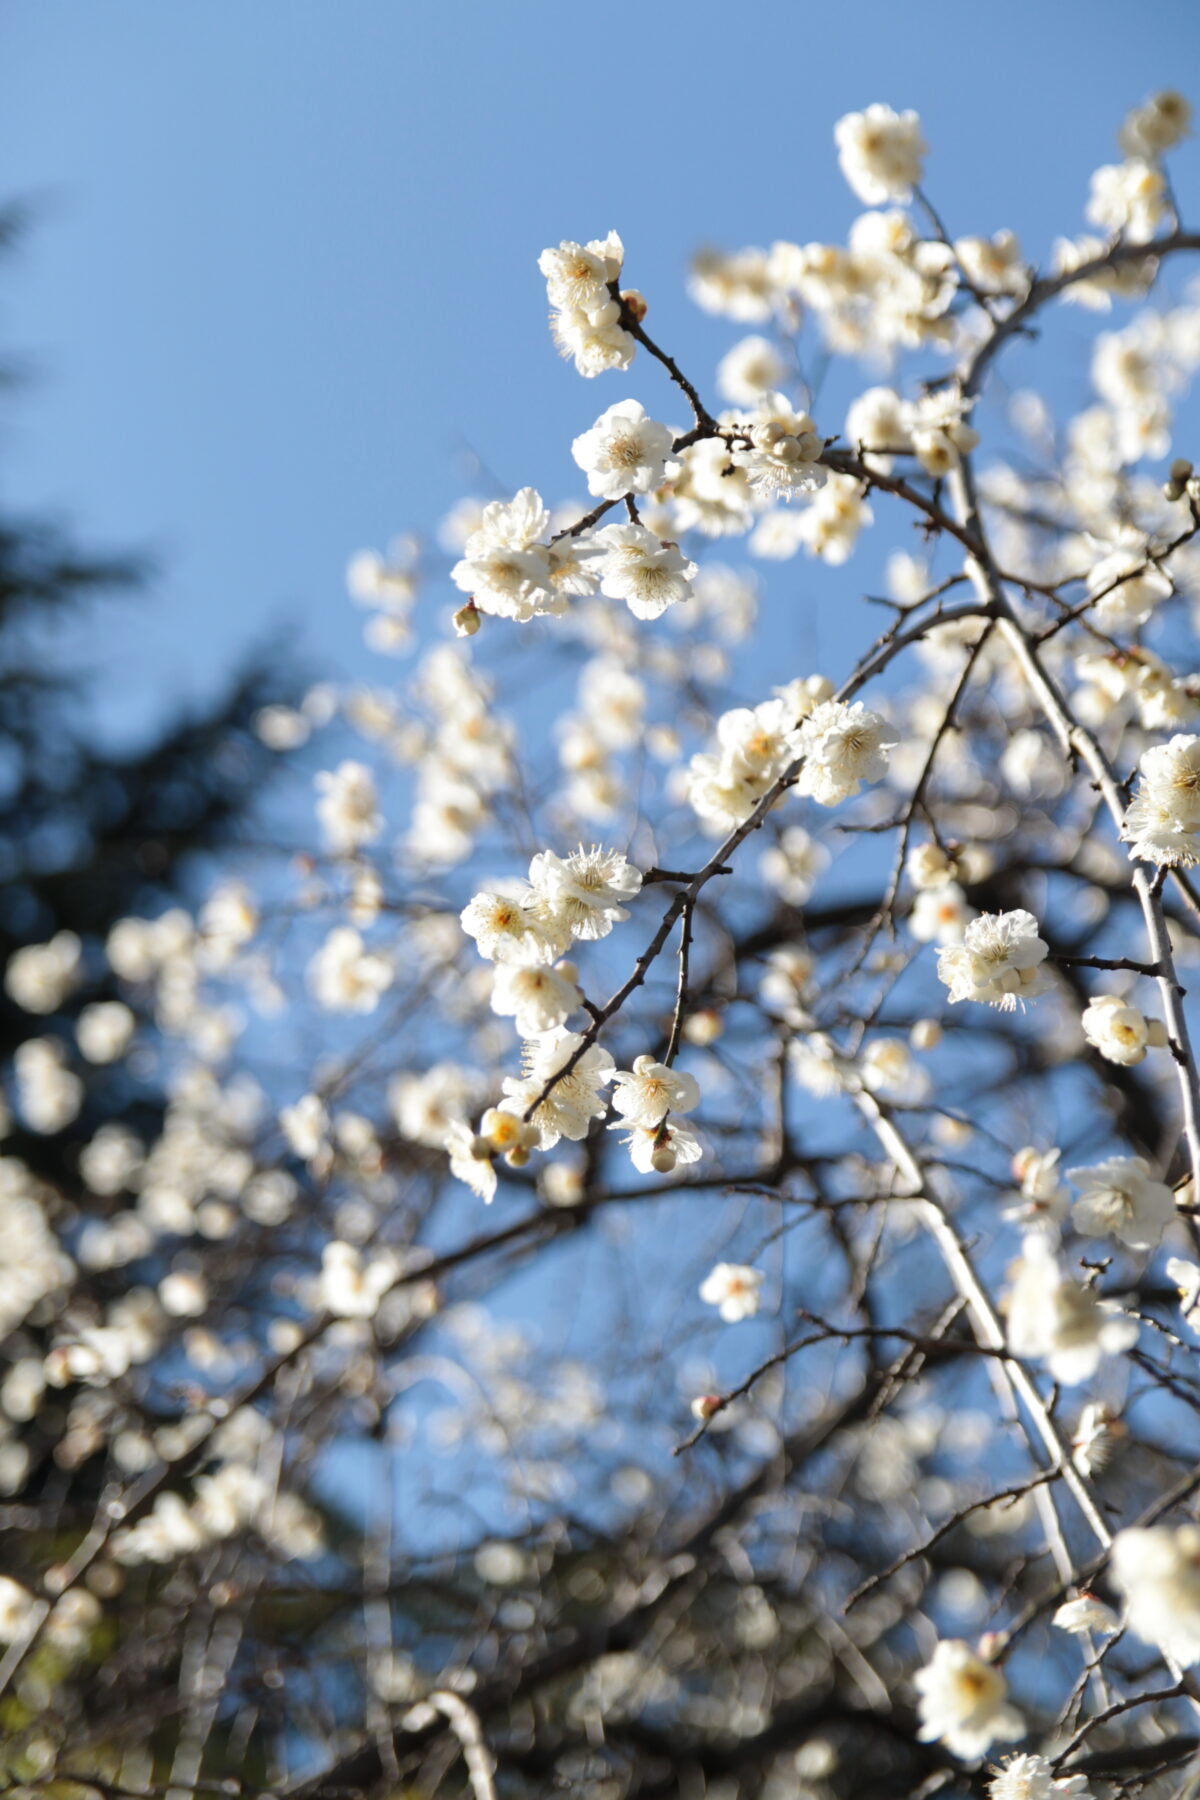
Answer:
(285, 270)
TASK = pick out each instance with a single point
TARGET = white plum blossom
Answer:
(1128, 589)
(1053, 1319)
(751, 369)
(1159, 125)
(578, 276)
(351, 1289)
(575, 1099)
(877, 426)
(586, 321)
(940, 915)
(639, 568)
(794, 865)
(940, 434)
(1094, 1438)
(1085, 1614)
(348, 808)
(1128, 197)
(347, 977)
(843, 746)
(1119, 1031)
(1157, 1574)
(514, 927)
(470, 1161)
(829, 526)
(504, 567)
(734, 1289)
(1119, 1198)
(1042, 1195)
(625, 452)
(993, 265)
(49, 1094)
(40, 976)
(647, 1093)
(306, 1126)
(781, 459)
(659, 1149)
(1033, 1778)
(585, 890)
(538, 997)
(104, 1030)
(998, 963)
(881, 153)
(963, 1701)
(1163, 818)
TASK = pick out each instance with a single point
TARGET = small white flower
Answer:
(40, 976)
(514, 927)
(645, 1095)
(1119, 1031)
(1119, 1199)
(1086, 1613)
(578, 275)
(963, 1701)
(751, 369)
(585, 890)
(470, 1162)
(940, 435)
(1157, 1574)
(639, 568)
(1052, 1318)
(350, 1290)
(103, 1030)
(733, 1289)
(625, 452)
(880, 152)
(1128, 197)
(1033, 1778)
(1094, 1438)
(1042, 1196)
(793, 866)
(940, 915)
(998, 962)
(348, 807)
(659, 1149)
(1157, 126)
(347, 977)
(1163, 818)
(993, 265)
(537, 997)
(574, 1100)
(842, 746)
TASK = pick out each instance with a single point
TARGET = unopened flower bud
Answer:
(706, 1406)
(1175, 486)
(663, 1160)
(517, 1157)
(634, 304)
(703, 1027)
(926, 1034)
(468, 619)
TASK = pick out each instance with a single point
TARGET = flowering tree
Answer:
(815, 1409)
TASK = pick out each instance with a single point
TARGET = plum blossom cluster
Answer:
(586, 319)
(835, 746)
(524, 930)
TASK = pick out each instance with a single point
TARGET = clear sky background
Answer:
(285, 270)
